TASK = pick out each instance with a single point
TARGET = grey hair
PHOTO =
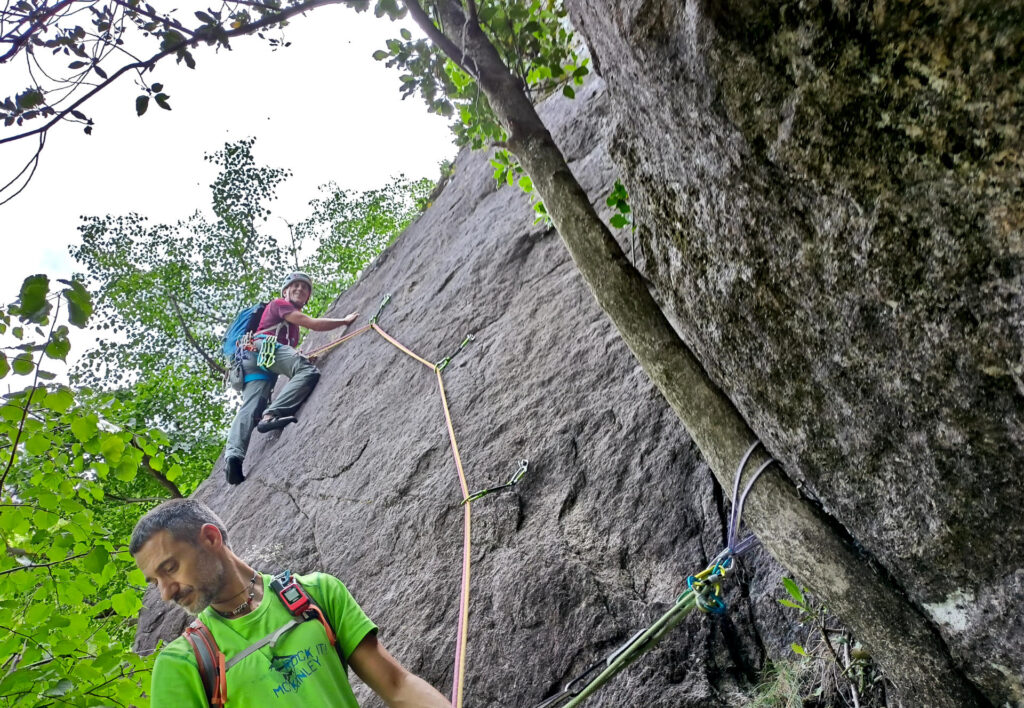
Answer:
(182, 518)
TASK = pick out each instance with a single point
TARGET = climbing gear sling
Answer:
(213, 665)
(703, 592)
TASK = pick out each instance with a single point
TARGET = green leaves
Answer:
(141, 104)
(619, 200)
(68, 594)
(32, 303)
(59, 400)
(29, 99)
(84, 427)
(533, 39)
(126, 604)
(79, 302)
(23, 364)
(96, 560)
(794, 591)
(59, 345)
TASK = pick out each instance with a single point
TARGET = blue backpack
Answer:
(246, 321)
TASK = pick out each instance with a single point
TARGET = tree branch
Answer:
(34, 566)
(213, 364)
(19, 42)
(440, 39)
(173, 49)
(28, 403)
(156, 474)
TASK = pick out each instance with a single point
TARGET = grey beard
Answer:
(209, 585)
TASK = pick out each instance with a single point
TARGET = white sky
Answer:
(322, 107)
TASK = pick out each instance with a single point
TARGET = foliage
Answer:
(619, 201)
(349, 229)
(70, 481)
(534, 40)
(832, 667)
(780, 686)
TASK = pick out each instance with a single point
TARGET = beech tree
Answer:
(73, 466)
(490, 61)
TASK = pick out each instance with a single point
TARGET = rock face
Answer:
(594, 543)
(830, 206)
(829, 202)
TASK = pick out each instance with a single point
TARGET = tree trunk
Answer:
(797, 533)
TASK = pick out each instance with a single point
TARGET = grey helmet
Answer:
(297, 277)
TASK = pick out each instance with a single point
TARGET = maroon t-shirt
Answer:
(274, 315)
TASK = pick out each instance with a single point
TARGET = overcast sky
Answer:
(321, 107)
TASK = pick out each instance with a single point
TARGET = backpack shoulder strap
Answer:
(319, 614)
(210, 660)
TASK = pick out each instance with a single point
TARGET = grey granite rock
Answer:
(830, 201)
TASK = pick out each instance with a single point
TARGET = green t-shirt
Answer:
(301, 670)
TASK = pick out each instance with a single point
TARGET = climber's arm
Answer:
(390, 680)
(320, 324)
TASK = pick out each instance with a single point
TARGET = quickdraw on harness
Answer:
(213, 665)
(703, 592)
(267, 352)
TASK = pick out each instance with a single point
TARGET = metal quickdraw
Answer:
(383, 303)
(703, 592)
(706, 585)
(516, 476)
(439, 366)
(245, 343)
(267, 352)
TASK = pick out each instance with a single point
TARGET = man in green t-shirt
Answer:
(181, 546)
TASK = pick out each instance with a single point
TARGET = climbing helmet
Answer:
(297, 277)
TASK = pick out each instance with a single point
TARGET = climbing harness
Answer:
(703, 592)
(214, 666)
(516, 476)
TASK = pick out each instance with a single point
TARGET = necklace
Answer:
(245, 605)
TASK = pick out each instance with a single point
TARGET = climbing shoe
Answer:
(234, 471)
(266, 425)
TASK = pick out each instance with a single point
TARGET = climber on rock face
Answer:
(181, 547)
(282, 316)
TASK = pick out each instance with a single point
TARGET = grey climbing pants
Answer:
(303, 378)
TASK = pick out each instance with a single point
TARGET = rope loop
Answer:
(739, 547)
